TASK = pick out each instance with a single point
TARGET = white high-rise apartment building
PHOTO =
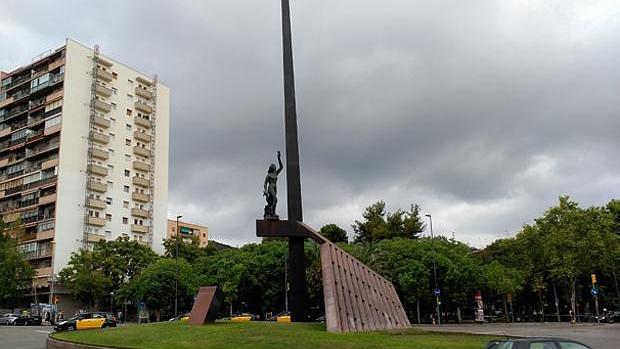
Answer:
(83, 155)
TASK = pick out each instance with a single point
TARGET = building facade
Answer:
(188, 231)
(83, 155)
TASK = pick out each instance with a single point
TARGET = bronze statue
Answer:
(270, 190)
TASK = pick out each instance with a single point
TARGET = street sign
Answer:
(594, 292)
(437, 292)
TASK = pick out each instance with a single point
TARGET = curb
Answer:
(53, 343)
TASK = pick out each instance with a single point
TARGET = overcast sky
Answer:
(482, 112)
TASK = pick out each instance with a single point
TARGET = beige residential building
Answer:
(83, 155)
(188, 231)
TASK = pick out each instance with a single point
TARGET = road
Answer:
(603, 336)
(23, 337)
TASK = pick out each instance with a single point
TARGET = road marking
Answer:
(43, 331)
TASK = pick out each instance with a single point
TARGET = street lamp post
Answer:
(112, 303)
(430, 218)
(176, 279)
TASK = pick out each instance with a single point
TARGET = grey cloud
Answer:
(483, 112)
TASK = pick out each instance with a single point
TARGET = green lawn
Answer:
(257, 335)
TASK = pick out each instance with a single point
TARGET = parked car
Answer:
(8, 318)
(280, 315)
(535, 343)
(28, 320)
(87, 321)
(183, 318)
(243, 317)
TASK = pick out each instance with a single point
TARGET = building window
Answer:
(126, 204)
(112, 136)
(127, 173)
(127, 141)
(108, 200)
(128, 112)
(128, 127)
(126, 188)
(130, 81)
(113, 105)
(108, 217)
(125, 220)
(111, 151)
(114, 75)
(114, 90)
(110, 185)
(129, 96)
(127, 157)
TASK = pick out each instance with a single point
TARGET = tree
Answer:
(504, 281)
(15, 272)
(374, 226)
(122, 259)
(84, 277)
(334, 233)
(90, 275)
(190, 251)
(377, 224)
(406, 224)
(155, 286)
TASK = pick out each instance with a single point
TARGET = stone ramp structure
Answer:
(356, 298)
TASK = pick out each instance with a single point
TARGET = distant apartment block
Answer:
(83, 155)
(188, 231)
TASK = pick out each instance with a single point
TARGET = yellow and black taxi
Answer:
(87, 321)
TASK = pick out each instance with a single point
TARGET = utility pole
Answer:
(430, 218)
(176, 279)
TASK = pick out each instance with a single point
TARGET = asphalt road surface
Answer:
(603, 336)
(23, 337)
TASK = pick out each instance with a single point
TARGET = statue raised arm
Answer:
(270, 189)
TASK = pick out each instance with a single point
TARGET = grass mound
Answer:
(257, 335)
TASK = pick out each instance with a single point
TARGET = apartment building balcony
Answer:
(98, 170)
(139, 197)
(100, 137)
(4, 162)
(139, 165)
(94, 237)
(47, 199)
(102, 90)
(144, 93)
(141, 136)
(7, 101)
(140, 121)
(141, 181)
(144, 81)
(51, 130)
(100, 222)
(143, 107)
(138, 212)
(103, 122)
(95, 203)
(103, 106)
(56, 95)
(141, 151)
(49, 163)
(55, 64)
(5, 132)
(103, 61)
(38, 253)
(42, 272)
(45, 235)
(100, 153)
(104, 75)
(136, 228)
(98, 187)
